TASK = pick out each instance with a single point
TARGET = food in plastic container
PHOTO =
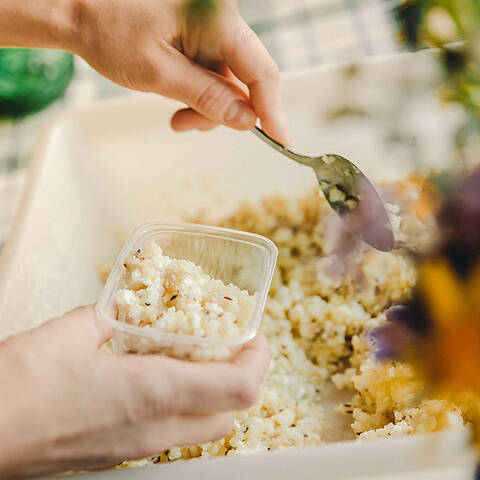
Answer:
(201, 303)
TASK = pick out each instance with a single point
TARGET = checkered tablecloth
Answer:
(298, 33)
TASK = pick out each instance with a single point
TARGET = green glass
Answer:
(31, 80)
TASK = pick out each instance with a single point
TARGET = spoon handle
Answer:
(280, 148)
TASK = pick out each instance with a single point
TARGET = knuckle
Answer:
(211, 98)
(149, 66)
(245, 392)
(272, 72)
(147, 75)
(148, 400)
(149, 70)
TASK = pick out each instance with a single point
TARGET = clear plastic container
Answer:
(243, 259)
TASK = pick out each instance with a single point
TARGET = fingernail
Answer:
(288, 139)
(285, 139)
(240, 114)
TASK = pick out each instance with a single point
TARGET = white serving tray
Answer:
(101, 170)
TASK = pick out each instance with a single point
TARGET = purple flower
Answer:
(403, 330)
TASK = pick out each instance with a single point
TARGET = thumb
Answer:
(208, 93)
(80, 326)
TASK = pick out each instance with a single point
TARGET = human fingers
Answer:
(251, 63)
(167, 385)
(80, 327)
(208, 93)
(188, 119)
(178, 431)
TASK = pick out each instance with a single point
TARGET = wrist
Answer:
(38, 23)
(8, 434)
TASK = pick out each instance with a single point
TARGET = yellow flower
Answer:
(453, 306)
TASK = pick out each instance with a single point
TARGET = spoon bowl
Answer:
(349, 192)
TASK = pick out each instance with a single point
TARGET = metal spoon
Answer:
(349, 193)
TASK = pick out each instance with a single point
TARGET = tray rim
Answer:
(36, 167)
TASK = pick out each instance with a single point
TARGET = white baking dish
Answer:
(104, 169)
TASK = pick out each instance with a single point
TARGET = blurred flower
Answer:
(438, 329)
(441, 26)
(459, 221)
(453, 26)
(393, 340)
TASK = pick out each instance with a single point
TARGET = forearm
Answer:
(38, 23)
(9, 434)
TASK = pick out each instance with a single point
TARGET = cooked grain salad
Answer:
(172, 295)
(318, 314)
